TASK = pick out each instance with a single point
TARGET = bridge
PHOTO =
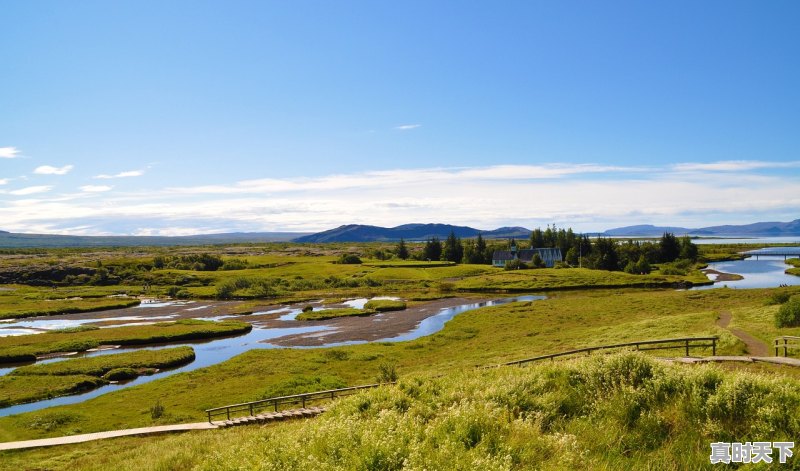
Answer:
(785, 252)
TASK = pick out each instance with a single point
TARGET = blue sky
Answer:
(184, 117)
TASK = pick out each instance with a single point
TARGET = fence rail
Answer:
(250, 408)
(786, 342)
(684, 343)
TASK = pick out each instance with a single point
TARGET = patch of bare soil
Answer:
(755, 347)
(369, 328)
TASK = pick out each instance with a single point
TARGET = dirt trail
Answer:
(755, 347)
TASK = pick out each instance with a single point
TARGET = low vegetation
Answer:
(564, 321)
(788, 314)
(29, 347)
(45, 381)
(384, 305)
(318, 315)
(622, 411)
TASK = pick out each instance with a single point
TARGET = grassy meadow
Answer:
(617, 412)
(445, 414)
(487, 336)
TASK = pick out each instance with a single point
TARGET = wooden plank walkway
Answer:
(87, 437)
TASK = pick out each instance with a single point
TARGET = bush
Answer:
(778, 298)
(157, 411)
(789, 314)
(349, 259)
(308, 308)
(387, 373)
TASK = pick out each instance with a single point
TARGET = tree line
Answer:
(632, 256)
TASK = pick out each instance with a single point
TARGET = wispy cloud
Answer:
(407, 127)
(31, 190)
(95, 188)
(584, 196)
(126, 174)
(8, 152)
(733, 166)
(3, 181)
(50, 170)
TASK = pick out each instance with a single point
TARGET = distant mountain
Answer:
(16, 240)
(364, 233)
(758, 229)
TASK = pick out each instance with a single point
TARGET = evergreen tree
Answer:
(669, 248)
(688, 249)
(402, 250)
(537, 238)
(453, 250)
(604, 254)
(433, 249)
(480, 247)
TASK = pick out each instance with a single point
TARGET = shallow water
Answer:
(215, 351)
(766, 272)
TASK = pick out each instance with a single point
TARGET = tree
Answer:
(402, 250)
(688, 249)
(432, 249)
(537, 238)
(480, 249)
(789, 314)
(669, 248)
(537, 262)
(453, 250)
(604, 254)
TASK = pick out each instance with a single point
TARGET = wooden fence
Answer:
(251, 408)
(665, 344)
(786, 342)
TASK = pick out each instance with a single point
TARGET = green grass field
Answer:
(617, 412)
(486, 336)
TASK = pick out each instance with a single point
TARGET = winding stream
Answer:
(215, 351)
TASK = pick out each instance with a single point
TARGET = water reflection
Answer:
(767, 272)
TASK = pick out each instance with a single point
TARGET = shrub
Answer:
(778, 298)
(387, 373)
(308, 308)
(789, 314)
(350, 259)
(157, 410)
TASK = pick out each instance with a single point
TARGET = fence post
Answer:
(276, 405)
(687, 347)
(251, 410)
(775, 344)
(714, 346)
(304, 402)
(209, 417)
(228, 410)
(785, 349)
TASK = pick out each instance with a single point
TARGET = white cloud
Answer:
(584, 196)
(8, 152)
(50, 170)
(31, 190)
(733, 166)
(126, 174)
(95, 188)
(3, 181)
(407, 127)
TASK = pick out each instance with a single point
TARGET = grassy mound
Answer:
(332, 314)
(383, 305)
